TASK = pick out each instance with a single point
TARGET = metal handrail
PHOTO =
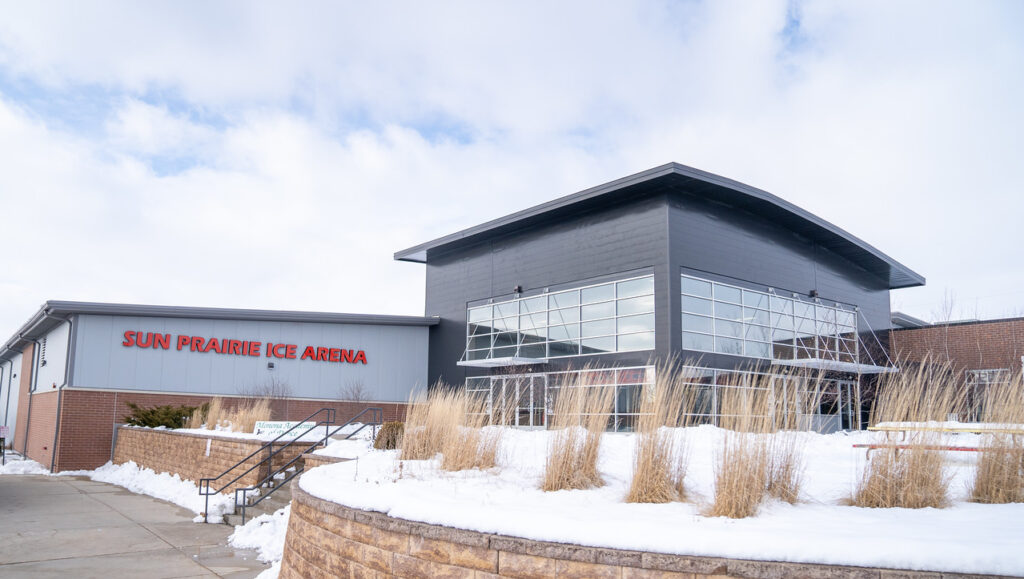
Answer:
(204, 483)
(376, 419)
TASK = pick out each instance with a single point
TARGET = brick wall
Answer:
(88, 419)
(186, 455)
(42, 424)
(968, 346)
(325, 539)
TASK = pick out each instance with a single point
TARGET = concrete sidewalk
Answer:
(75, 527)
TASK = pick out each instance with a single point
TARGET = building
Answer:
(982, 351)
(601, 287)
(67, 376)
(670, 262)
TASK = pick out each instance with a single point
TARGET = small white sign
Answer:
(3, 432)
(278, 427)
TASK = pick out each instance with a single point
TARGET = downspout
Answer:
(60, 393)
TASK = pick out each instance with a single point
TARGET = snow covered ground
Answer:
(266, 535)
(966, 537)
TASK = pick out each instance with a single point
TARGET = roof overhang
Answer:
(836, 366)
(502, 362)
(676, 178)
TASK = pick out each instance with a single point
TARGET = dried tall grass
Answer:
(761, 452)
(580, 415)
(250, 411)
(429, 419)
(659, 462)
(242, 418)
(471, 444)
(914, 477)
(999, 477)
(453, 423)
(742, 458)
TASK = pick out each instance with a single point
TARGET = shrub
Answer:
(168, 416)
(389, 435)
(430, 419)
(659, 463)
(999, 477)
(242, 418)
(911, 478)
(580, 416)
(756, 458)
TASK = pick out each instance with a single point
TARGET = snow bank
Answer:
(23, 466)
(266, 535)
(165, 486)
(966, 538)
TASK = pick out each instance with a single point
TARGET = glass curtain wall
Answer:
(804, 403)
(726, 319)
(528, 399)
(596, 319)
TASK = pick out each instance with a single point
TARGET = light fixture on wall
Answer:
(270, 365)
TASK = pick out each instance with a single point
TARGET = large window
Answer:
(528, 399)
(610, 317)
(727, 319)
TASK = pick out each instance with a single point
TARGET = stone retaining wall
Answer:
(326, 539)
(195, 456)
(315, 460)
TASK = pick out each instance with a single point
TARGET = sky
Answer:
(276, 155)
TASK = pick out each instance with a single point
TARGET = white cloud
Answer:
(342, 133)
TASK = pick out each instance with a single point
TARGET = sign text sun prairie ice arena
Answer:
(232, 347)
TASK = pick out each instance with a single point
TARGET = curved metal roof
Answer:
(676, 178)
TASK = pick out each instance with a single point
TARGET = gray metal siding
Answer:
(396, 357)
(719, 242)
(586, 247)
(666, 234)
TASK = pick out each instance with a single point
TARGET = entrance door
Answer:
(518, 400)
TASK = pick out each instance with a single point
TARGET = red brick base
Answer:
(88, 419)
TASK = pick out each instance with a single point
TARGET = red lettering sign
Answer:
(231, 347)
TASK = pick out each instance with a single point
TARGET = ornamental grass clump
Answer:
(742, 458)
(999, 477)
(659, 462)
(430, 419)
(580, 415)
(913, 477)
(471, 443)
(760, 454)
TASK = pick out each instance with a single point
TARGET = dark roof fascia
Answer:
(899, 275)
(53, 313)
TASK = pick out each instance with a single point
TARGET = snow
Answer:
(221, 432)
(23, 466)
(165, 486)
(264, 534)
(966, 538)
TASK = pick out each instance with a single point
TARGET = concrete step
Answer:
(278, 500)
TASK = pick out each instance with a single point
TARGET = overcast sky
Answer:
(258, 156)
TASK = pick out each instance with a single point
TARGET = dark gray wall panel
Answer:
(720, 242)
(666, 234)
(588, 247)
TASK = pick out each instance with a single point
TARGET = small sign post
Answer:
(3, 445)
